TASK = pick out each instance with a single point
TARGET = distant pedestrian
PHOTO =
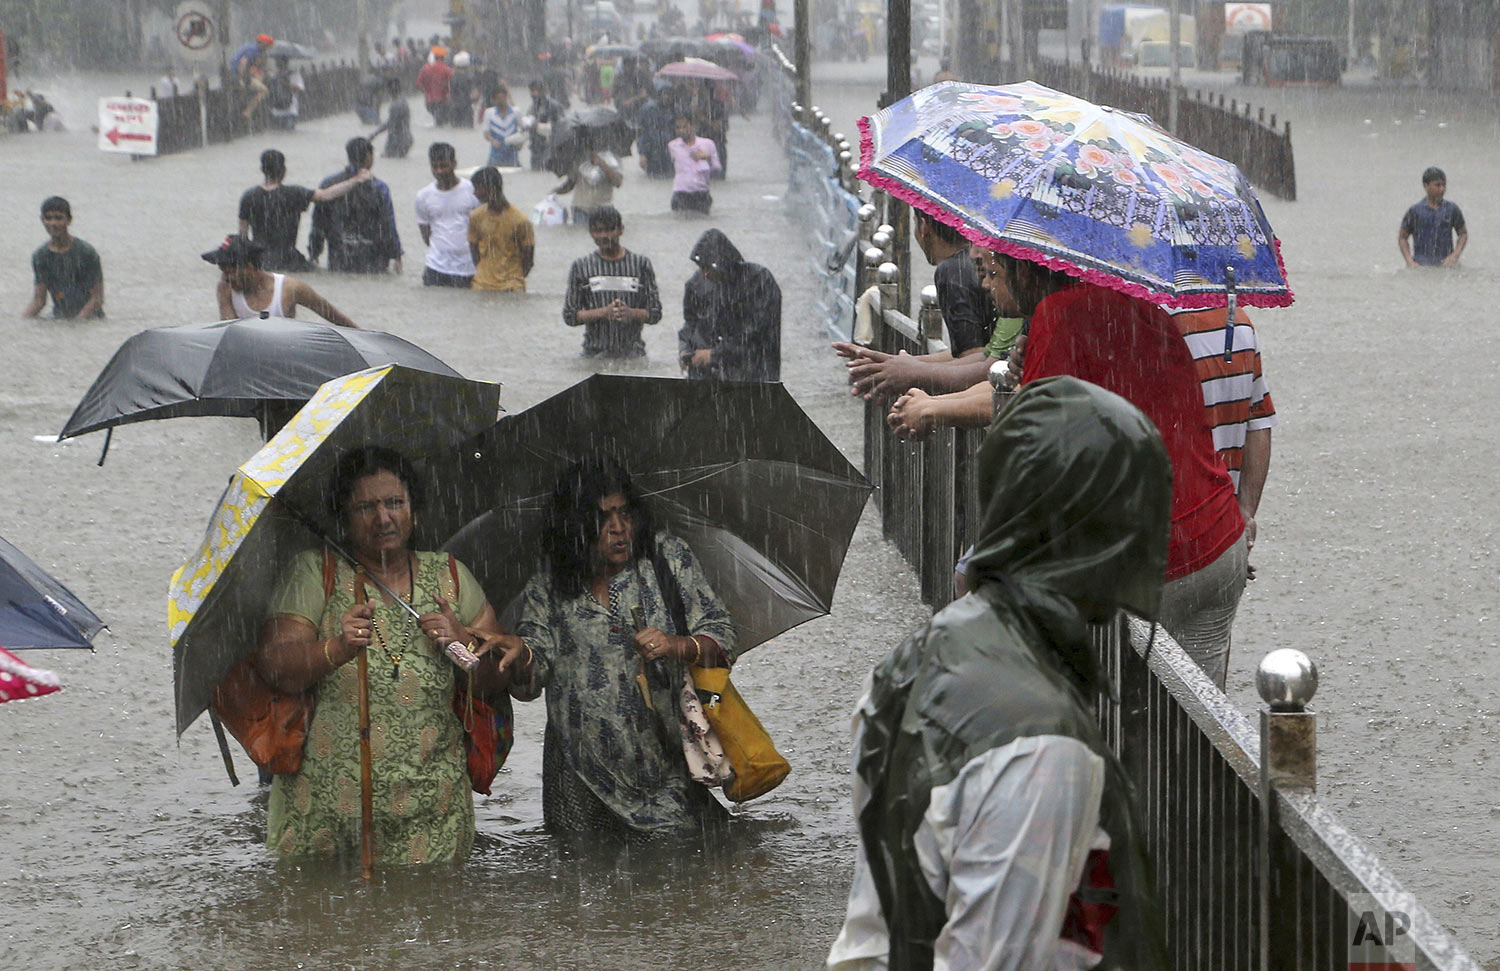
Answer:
(367, 96)
(593, 180)
(443, 208)
(359, 228)
(611, 292)
(545, 112)
(502, 129)
(997, 827)
(694, 160)
(501, 242)
(66, 268)
(655, 133)
(247, 290)
(249, 65)
(1433, 222)
(271, 213)
(731, 312)
(397, 127)
(433, 79)
(285, 95)
(462, 92)
(168, 86)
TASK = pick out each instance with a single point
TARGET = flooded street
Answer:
(132, 850)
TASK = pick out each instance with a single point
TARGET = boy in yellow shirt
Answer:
(500, 237)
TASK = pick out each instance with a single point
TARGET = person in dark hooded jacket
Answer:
(997, 829)
(731, 314)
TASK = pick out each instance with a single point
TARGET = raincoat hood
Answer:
(714, 251)
(1077, 489)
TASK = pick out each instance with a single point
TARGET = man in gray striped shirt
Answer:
(611, 293)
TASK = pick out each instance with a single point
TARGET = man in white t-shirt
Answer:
(443, 208)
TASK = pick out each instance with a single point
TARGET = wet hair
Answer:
(535, 83)
(57, 204)
(367, 461)
(439, 150)
(941, 230)
(357, 148)
(488, 178)
(686, 118)
(1433, 174)
(573, 520)
(273, 164)
(605, 217)
(499, 89)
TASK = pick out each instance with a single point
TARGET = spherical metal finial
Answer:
(998, 372)
(889, 274)
(796, 108)
(929, 296)
(1287, 679)
(874, 256)
(866, 213)
(852, 167)
(845, 158)
(882, 238)
(886, 228)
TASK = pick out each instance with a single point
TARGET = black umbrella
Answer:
(764, 499)
(262, 368)
(36, 611)
(593, 129)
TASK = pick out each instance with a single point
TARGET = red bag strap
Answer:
(453, 570)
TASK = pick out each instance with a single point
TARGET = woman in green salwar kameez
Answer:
(423, 808)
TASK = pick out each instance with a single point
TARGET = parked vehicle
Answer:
(1279, 59)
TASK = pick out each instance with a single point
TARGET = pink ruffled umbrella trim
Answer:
(1194, 301)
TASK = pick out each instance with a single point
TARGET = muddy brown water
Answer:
(128, 847)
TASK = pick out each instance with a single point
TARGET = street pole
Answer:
(363, 32)
(898, 86)
(802, 58)
(1174, 37)
(222, 15)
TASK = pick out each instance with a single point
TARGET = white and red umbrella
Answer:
(19, 680)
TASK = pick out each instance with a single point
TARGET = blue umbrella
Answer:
(1104, 195)
(36, 611)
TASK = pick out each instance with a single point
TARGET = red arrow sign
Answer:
(114, 135)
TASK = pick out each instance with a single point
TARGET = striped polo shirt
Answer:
(1234, 391)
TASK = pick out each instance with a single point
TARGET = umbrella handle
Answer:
(1231, 305)
(366, 784)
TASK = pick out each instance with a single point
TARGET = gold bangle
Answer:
(529, 655)
(326, 655)
(697, 648)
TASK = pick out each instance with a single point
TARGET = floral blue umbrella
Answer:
(1103, 195)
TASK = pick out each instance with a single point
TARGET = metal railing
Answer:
(205, 115)
(1254, 872)
(1262, 152)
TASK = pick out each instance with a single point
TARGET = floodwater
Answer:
(128, 847)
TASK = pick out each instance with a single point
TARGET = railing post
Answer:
(930, 318)
(1287, 681)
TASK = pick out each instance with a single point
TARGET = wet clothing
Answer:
(433, 80)
(423, 810)
(546, 111)
(500, 236)
(275, 218)
(502, 127)
(1234, 391)
(968, 311)
(609, 762)
(398, 140)
(692, 202)
(996, 826)
(1432, 231)
(461, 89)
(1003, 337)
(359, 227)
(655, 131)
(70, 276)
(692, 174)
(737, 318)
(595, 282)
(1132, 348)
(445, 213)
(276, 308)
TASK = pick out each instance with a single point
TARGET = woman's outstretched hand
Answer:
(442, 626)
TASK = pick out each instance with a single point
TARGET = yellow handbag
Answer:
(758, 767)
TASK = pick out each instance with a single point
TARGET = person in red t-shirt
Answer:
(1131, 347)
(433, 80)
